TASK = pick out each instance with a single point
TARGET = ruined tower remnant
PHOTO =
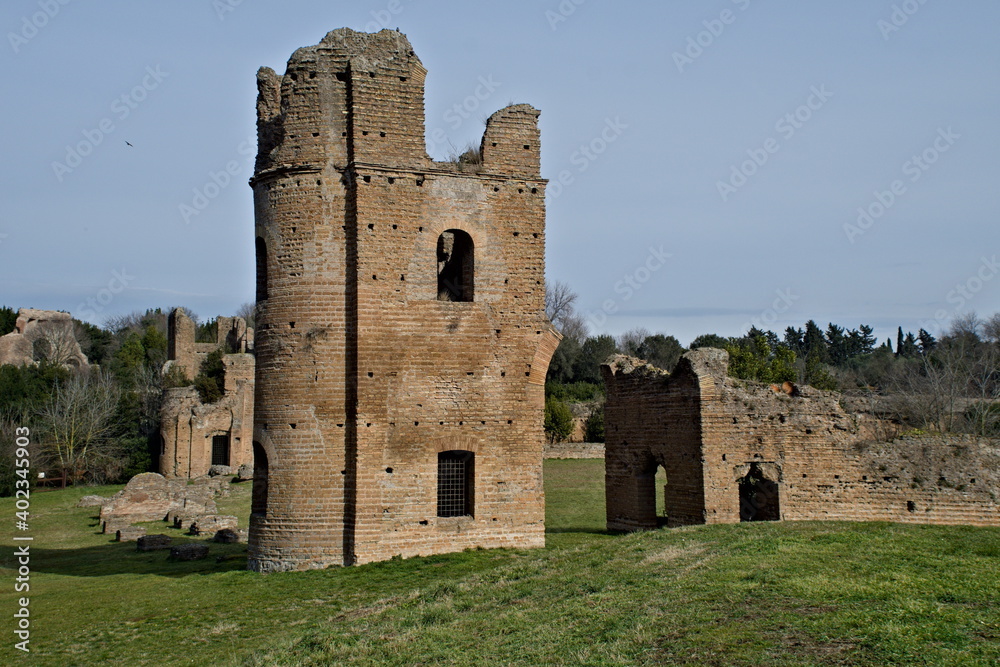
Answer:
(401, 340)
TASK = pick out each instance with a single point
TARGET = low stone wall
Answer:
(574, 450)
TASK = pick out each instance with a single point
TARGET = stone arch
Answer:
(456, 266)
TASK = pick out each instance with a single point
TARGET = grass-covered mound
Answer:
(750, 594)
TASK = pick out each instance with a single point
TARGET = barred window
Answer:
(456, 471)
(220, 450)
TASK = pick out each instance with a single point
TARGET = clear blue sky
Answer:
(729, 145)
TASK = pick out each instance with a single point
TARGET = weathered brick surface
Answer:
(363, 376)
(707, 430)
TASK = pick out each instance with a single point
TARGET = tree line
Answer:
(950, 384)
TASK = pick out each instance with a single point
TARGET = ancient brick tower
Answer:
(401, 342)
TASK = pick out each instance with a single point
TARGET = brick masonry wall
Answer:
(821, 458)
(363, 376)
(186, 424)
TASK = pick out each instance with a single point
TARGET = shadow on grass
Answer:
(572, 529)
(111, 557)
(122, 558)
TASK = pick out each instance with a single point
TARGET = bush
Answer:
(210, 381)
(595, 426)
(558, 420)
(573, 392)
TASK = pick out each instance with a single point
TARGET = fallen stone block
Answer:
(92, 501)
(226, 536)
(218, 470)
(244, 473)
(153, 542)
(129, 533)
(210, 524)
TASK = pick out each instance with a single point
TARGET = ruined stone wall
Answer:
(650, 421)
(820, 457)
(187, 425)
(363, 374)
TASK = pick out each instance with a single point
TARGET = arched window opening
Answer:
(258, 501)
(456, 472)
(758, 497)
(651, 488)
(261, 251)
(220, 450)
(455, 266)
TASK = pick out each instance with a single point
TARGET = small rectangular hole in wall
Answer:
(381, 134)
(366, 179)
(341, 76)
(315, 134)
(371, 226)
(395, 226)
(364, 133)
(370, 374)
(292, 425)
(291, 325)
(391, 180)
(527, 147)
(312, 75)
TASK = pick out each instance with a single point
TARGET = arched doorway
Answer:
(758, 496)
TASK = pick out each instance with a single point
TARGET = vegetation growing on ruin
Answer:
(786, 593)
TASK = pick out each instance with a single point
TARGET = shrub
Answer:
(558, 420)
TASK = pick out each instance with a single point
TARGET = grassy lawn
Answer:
(807, 593)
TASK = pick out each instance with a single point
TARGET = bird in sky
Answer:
(128, 144)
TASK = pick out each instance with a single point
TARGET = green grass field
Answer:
(752, 594)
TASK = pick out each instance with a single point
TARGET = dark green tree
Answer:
(593, 353)
(709, 340)
(814, 342)
(926, 341)
(8, 320)
(661, 351)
